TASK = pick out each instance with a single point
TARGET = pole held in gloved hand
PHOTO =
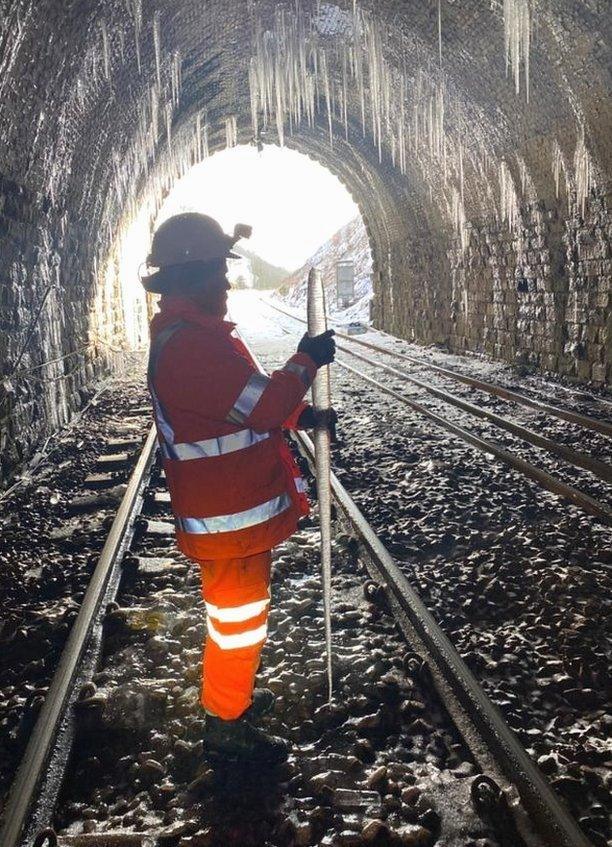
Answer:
(321, 398)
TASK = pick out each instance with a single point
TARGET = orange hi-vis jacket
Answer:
(234, 485)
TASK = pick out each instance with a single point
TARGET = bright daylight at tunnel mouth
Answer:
(305, 421)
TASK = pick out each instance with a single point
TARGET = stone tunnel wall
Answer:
(541, 298)
(99, 106)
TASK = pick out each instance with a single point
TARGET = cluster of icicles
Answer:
(154, 116)
(291, 79)
(299, 71)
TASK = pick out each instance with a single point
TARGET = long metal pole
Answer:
(321, 396)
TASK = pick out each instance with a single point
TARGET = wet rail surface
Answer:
(552, 475)
(99, 718)
(587, 410)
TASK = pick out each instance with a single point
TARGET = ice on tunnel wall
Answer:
(201, 139)
(231, 131)
(307, 64)
(508, 197)
(106, 53)
(157, 47)
(176, 77)
(168, 112)
(558, 167)
(134, 8)
(583, 170)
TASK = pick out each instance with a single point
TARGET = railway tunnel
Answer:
(474, 140)
(470, 559)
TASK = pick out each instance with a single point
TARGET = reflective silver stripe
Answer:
(162, 422)
(211, 447)
(239, 520)
(300, 370)
(238, 614)
(157, 345)
(300, 484)
(239, 639)
(248, 399)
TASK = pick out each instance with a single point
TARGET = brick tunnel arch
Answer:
(487, 205)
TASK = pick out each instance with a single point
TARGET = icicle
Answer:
(154, 104)
(231, 131)
(157, 46)
(461, 178)
(523, 175)
(325, 75)
(134, 7)
(105, 50)
(198, 137)
(517, 36)
(321, 394)
(557, 166)
(345, 93)
(582, 167)
(254, 93)
(440, 30)
(458, 215)
(176, 79)
(279, 101)
(169, 123)
(402, 125)
(509, 202)
(80, 92)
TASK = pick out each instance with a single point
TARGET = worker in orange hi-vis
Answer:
(235, 488)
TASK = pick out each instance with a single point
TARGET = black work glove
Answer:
(320, 348)
(312, 417)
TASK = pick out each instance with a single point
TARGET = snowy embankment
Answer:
(350, 242)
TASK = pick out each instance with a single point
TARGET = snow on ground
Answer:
(350, 242)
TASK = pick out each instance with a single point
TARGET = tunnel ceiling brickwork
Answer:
(488, 209)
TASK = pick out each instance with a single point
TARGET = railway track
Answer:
(508, 792)
(595, 424)
(547, 480)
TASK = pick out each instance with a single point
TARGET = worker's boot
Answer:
(241, 740)
(263, 701)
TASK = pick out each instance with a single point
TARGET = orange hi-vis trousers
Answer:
(237, 597)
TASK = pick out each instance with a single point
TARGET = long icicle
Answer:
(321, 395)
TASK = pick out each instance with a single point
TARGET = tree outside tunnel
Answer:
(475, 139)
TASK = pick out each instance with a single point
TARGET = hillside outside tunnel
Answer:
(475, 138)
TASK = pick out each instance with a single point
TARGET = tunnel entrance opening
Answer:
(301, 215)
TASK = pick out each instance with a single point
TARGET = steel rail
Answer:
(542, 477)
(26, 788)
(553, 821)
(478, 719)
(585, 421)
(574, 457)
(546, 480)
